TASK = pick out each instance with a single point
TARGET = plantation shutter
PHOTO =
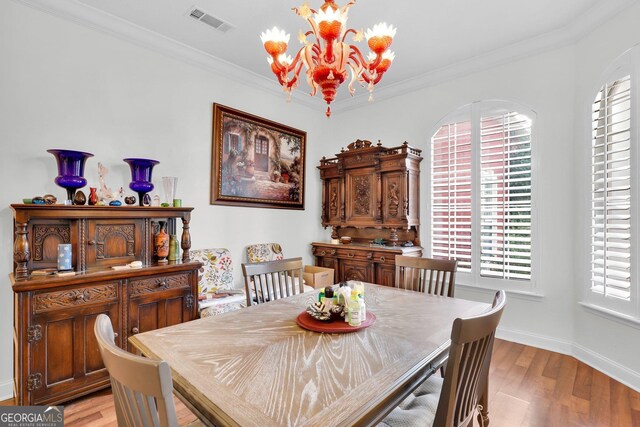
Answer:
(505, 196)
(611, 190)
(451, 194)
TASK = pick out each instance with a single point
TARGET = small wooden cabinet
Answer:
(373, 264)
(56, 357)
(370, 192)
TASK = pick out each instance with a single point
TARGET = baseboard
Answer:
(535, 340)
(618, 372)
(6, 390)
(611, 368)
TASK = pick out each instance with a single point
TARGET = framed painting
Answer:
(256, 162)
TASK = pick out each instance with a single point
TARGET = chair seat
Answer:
(419, 408)
(214, 306)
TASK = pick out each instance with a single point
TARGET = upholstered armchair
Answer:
(263, 252)
(216, 294)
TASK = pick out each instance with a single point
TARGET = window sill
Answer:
(606, 313)
(523, 295)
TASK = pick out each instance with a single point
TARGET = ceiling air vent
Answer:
(210, 20)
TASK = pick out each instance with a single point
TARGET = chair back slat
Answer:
(142, 388)
(468, 366)
(432, 276)
(272, 280)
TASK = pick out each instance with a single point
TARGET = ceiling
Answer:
(435, 39)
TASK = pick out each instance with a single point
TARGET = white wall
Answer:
(63, 85)
(556, 86)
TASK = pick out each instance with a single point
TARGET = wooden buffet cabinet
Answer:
(56, 357)
(370, 192)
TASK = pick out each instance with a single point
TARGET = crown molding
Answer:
(88, 16)
(595, 16)
(80, 13)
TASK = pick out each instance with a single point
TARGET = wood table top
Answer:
(257, 367)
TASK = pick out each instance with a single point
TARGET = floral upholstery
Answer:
(263, 252)
(215, 282)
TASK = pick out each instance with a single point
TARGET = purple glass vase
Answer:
(141, 176)
(70, 170)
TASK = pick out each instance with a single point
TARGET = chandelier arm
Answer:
(314, 29)
(297, 11)
(370, 66)
(357, 56)
(296, 75)
(355, 75)
(350, 30)
(284, 70)
(346, 7)
(373, 78)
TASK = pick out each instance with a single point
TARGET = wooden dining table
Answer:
(257, 367)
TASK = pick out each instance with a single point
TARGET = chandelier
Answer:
(326, 58)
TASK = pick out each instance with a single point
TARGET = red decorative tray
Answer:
(304, 320)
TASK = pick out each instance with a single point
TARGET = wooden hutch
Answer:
(56, 356)
(370, 192)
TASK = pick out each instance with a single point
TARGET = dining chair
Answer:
(431, 276)
(272, 280)
(452, 401)
(142, 388)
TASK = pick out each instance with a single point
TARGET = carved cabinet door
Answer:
(113, 242)
(386, 274)
(361, 196)
(159, 301)
(44, 237)
(65, 354)
(394, 198)
(356, 270)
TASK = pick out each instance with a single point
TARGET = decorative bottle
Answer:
(162, 244)
(173, 248)
(93, 196)
(354, 309)
(363, 308)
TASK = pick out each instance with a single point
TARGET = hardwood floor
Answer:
(533, 387)
(528, 387)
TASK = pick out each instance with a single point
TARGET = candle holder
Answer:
(70, 170)
(141, 176)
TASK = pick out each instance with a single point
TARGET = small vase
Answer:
(93, 196)
(141, 176)
(162, 244)
(70, 170)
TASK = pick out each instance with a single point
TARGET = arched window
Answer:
(614, 188)
(481, 193)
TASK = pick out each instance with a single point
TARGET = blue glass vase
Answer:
(70, 169)
(141, 176)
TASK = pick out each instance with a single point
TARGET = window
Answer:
(233, 143)
(481, 194)
(612, 189)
